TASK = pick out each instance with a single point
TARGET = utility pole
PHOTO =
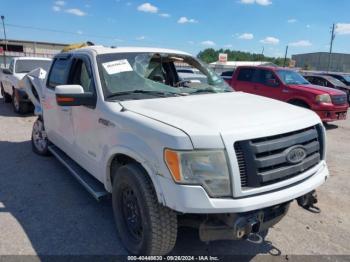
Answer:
(263, 50)
(331, 48)
(3, 25)
(285, 57)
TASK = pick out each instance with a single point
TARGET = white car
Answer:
(10, 89)
(173, 154)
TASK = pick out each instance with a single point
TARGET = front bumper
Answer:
(194, 199)
(332, 114)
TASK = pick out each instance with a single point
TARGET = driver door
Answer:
(267, 84)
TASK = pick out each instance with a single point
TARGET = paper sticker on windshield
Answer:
(118, 66)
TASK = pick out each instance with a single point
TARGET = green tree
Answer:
(211, 55)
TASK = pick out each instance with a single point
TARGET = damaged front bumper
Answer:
(240, 226)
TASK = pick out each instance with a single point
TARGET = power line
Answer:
(59, 31)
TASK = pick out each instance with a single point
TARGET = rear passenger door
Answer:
(244, 80)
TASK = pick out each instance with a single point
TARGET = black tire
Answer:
(145, 227)
(40, 142)
(7, 97)
(18, 106)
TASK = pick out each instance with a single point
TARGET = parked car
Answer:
(289, 86)
(345, 78)
(172, 154)
(227, 75)
(193, 78)
(10, 89)
(328, 81)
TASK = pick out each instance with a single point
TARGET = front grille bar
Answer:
(263, 161)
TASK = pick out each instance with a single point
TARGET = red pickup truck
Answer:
(289, 86)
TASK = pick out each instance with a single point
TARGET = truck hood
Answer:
(207, 118)
(318, 89)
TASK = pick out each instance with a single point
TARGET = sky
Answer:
(188, 25)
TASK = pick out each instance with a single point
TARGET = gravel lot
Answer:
(44, 211)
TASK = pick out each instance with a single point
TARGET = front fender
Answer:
(134, 152)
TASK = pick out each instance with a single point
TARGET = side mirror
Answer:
(7, 71)
(272, 83)
(74, 95)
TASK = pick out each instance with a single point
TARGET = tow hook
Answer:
(308, 202)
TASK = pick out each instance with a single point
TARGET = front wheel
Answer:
(145, 227)
(40, 142)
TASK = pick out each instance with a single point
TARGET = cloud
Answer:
(75, 11)
(259, 2)
(208, 43)
(165, 15)
(60, 3)
(228, 46)
(56, 8)
(246, 36)
(342, 29)
(308, 26)
(190, 42)
(270, 40)
(301, 43)
(148, 8)
(185, 20)
(140, 38)
(292, 20)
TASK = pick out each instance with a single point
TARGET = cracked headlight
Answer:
(206, 168)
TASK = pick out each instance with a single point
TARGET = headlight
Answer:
(324, 99)
(206, 168)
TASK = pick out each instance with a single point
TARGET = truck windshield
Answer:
(25, 66)
(289, 77)
(152, 74)
(336, 82)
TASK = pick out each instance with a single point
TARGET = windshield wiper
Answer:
(148, 92)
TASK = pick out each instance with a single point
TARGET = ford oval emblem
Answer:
(296, 154)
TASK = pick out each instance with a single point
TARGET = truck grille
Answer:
(339, 99)
(273, 159)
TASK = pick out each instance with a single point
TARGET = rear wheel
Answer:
(145, 227)
(18, 106)
(40, 142)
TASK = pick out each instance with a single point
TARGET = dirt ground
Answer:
(44, 211)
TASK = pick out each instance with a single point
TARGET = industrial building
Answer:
(320, 61)
(15, 48)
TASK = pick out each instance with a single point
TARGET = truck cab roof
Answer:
(98, 50)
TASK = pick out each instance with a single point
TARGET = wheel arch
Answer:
(298, 100)
(122, 156)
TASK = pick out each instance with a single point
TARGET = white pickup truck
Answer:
(173, 152)
(10, 78)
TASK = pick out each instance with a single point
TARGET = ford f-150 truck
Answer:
(10, 90)
(173, 152)
(289, 86)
